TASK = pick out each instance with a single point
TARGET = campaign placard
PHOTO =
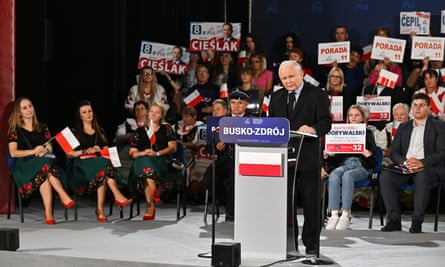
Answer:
(333, 51)
(442, 21)
(424, 46)
(346, 138)
(415, 21)
(391, 48)
(336, 108)
(379, 107)
(161, 56)
(215, 35)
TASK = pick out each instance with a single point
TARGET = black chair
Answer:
(181, 188)
(371, 181)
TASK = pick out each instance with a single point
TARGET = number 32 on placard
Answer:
(357, 147)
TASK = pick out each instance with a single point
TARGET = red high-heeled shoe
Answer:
(123, 203)
(69, 204)
(150, 217)
(101, 219)
(52, 221)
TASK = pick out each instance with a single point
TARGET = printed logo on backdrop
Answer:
(206, 35)
(159, 56)
(409, 5)
(362, 5)
(317, 6)
(272, 8)
(416, 21)
(432, 47)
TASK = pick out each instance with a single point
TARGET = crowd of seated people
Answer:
(185, 101)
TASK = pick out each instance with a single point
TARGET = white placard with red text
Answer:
(379, 107)
(159, 57)
(346, 138)
(336, 108)
(424, 46)
(334, 51)
(391, 48)
(208, 35)
(415, 21)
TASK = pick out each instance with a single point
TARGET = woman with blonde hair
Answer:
(148, 89)
(151, 150)
(29, 144)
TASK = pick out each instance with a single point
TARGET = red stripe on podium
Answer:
(248, 169)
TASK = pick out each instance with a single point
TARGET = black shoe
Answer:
(392, 226)
(229, 218)
(311, 251)
(416, 227)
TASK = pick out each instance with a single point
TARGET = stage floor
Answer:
(170, 242)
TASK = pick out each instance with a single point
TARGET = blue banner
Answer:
(254, 130)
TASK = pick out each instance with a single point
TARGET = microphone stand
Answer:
(208, 255)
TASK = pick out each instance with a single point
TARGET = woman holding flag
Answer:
(90, 171)
(151, 149)
(29, 144)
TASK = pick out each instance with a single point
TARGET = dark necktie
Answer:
(290, 103)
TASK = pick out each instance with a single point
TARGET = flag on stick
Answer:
(67, 140)
(193, 99)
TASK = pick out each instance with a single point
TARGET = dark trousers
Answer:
(224, 184)
(308, 190)
(388, 187)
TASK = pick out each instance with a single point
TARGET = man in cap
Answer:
(225, 160)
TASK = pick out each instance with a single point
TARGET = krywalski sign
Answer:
(346, 138)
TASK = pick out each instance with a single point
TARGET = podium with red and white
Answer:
(260, 223)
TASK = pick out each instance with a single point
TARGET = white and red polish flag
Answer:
(151, 133)
(366, 52)
(108, 153)
(265, 105)
(111, 154)
(260, 164)
(67, 140)
(223, 91)
(387, 78)
(193, 99)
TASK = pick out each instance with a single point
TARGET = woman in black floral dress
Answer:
(28, 143)
(90, 171)
(151, 149)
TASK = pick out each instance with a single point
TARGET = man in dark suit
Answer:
(307, 108)
(418, 147)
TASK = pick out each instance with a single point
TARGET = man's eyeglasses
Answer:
(421, 105)
(147, 73)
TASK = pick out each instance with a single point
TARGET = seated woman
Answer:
(28, 144)
(151, 149)
(90, 171)
(349, 168)
(186, 131)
